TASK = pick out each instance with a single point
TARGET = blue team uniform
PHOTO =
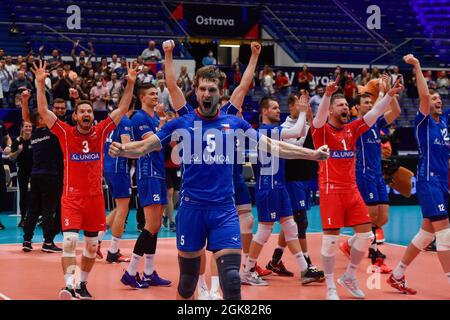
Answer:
(116, 171)
(150, 171)
(207, 206)
(369, 175)
(241, 192)
(272, 198)
(432, 169)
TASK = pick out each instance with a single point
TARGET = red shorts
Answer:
(343, 210)
(83, 213)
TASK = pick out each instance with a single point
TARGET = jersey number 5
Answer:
(85, 146)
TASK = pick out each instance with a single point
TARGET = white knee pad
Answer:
(263, 233)
(290, 230)
(90, 247)
(363, 240)
(329, 245)
(422, 239)
(69, 244)
(246, 222)
(443, 240)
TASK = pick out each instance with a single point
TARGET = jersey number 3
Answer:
(85, 146)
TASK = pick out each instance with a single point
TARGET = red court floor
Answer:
(37, 275)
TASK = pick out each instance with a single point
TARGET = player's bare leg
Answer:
(101, 234)
(117, 228)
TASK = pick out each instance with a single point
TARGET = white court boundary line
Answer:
(4, 297)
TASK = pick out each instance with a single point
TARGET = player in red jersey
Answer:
(341, 204)
(82, 202)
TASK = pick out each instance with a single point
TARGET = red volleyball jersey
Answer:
(83, 157)
(337, 174)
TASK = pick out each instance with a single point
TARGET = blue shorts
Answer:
(372, 188)
(152, 191)
(241, 193)
(220, 226)
(119, 184)
(300, 194)
(433, 199)
(272, 204)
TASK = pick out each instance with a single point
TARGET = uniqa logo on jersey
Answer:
(342, 154)
(93, 156)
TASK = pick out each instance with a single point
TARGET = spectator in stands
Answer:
(375, 73)
(81, 69)
(114, 64)
(122, 70)
(61, 85)
(430, 80)
(89, 81)
(237, 64)
(362, 78)
(114, 86)
(82, 92)
(140, 63)
(159, 76)
(396, 75)
(442, 83)
(54, 62)
(282, 84)
(237, 76)
(268, 83)
(163, 95)
(304, 77)
(76, 59)
(151, 54)
(18, 86)
(103, 66)
(316, 99)
(145, 77)
(4, 85)
(10, 68)
(186, 81)
(350, 89)
(209, 59)
(411, 86)
(99, 95)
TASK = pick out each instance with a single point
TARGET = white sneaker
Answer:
(332, 294)
(215, 295)
(252, 279)
(351, 284)
(203, 293)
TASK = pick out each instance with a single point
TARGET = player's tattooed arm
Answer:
(125, 101)
(177, 96)
(40, 74)
(238, 96)
(289, 151)
(134, 149)
(422, 87)
(322, 112)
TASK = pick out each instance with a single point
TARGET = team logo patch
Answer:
(342, 154)
(93, 156)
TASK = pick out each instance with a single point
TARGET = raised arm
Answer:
(289, 151)
(73, 52)
(380, 107)
(40, 74)
(238, 96)
(299, 129)
(25, 109)
(177, 96)
(135, 149)
(393, 112)
(125, 101)
(322, 111)
(422, 87)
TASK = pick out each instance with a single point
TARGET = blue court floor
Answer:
(404, 222)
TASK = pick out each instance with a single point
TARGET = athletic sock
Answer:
(69, 278)
(399, 270)
(114, 247)
(303, 265)
(249, 264)
(373, 245)
(356, 257)
(133, 265)
(329, 280)
(83, 276)
(202, 281)
(148, 263)
(351, 240)
(215, 283)
(101, 235)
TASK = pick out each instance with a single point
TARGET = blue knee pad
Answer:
(230, 281)
(189, 271)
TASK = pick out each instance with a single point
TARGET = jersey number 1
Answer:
(345, 145)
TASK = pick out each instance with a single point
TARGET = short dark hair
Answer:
(224, 98)
(145, 87)
(210, 73)
(59, 100)
(83, 102)
(292, 99)
(357, 100)
(34, 117)
(265, 102)
(335, 97)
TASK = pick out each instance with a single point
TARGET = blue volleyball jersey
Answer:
(270, 174)
(152, 164)
(119, 164)
(207, 167)
(368, 149)
(433, 143)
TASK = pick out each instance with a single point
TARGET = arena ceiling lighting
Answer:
(230, 45)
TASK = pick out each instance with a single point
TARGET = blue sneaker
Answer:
(133, 281)
(155, 280)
